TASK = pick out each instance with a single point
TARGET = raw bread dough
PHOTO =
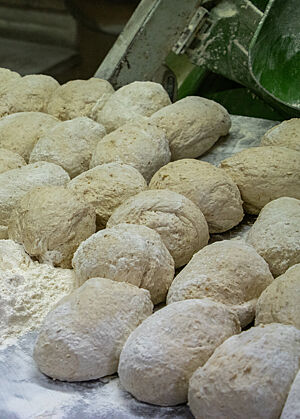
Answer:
(51, 222)
(160, 356)
(10, 160)
(280, 301)
(139, 144)
(178, 220)
(192, 125)
(20, 131)
(264, 174)
(28, 93)
(77, 97)
(107, 186)
(248, 376)
(286, 134)
(28, 290)
(128, 253)
(69, 144)
(7, 76)
(82, 337)
(15, 183)
(276, 234)
(229, 272)
(291, 408)
(137, 98)
(210, 188)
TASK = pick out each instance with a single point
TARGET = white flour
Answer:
(28, 290)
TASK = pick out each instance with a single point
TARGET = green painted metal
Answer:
(274, 55)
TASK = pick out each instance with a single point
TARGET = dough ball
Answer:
(280, 301)
(291, 408)
(276, 234)
(192, 125)
(248, 376)
(179, 222)
(107, 186)
(28, 93)
(20, 131)
(15, 183)
(69, 144)
(7, 76)
(77, 97)
(128, 253)
(137, 98)
(51, 222)
(10, 160)
(160, 356)
(229, 272)
(139, 144)
(264, 174)
(286, 134)
(210, 188)
(82, 337)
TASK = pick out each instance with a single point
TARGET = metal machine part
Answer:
(228, 37)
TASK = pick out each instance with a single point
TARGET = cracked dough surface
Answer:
(280, 301)
(19, 132)
(107, 186)
(140, 98)
(82, 337)
(264, 174)
(10, 160)
(139, 144)
(192, 125)
(178, 220)
(248, 376)
(276, 234)
(286, 134)
(128, 253)
(230, 272)
(69, 144)
(51, 222)
(210, 188)
(77, 97)
(15, 183)
(160, 356)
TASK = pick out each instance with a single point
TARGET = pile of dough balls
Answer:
(106, 190)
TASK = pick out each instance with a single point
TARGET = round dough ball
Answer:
(264, 174)
(179, 222)
(69, 144)
(7, 76)
(82, 337)
(192, 125)
(275, 235)
(10, 160)
(107, 186)
(160, 356)
(15, 183)
(137, 98)
(286, 134)
(280, 301)
(291, 408)
(51, 222)
(128, 253)
(229, 272)
(20, 131)
(210, 188)
(77, 97)
(248, 376)
(139, 144)
(28, 93)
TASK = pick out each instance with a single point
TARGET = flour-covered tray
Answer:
(26, 393)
